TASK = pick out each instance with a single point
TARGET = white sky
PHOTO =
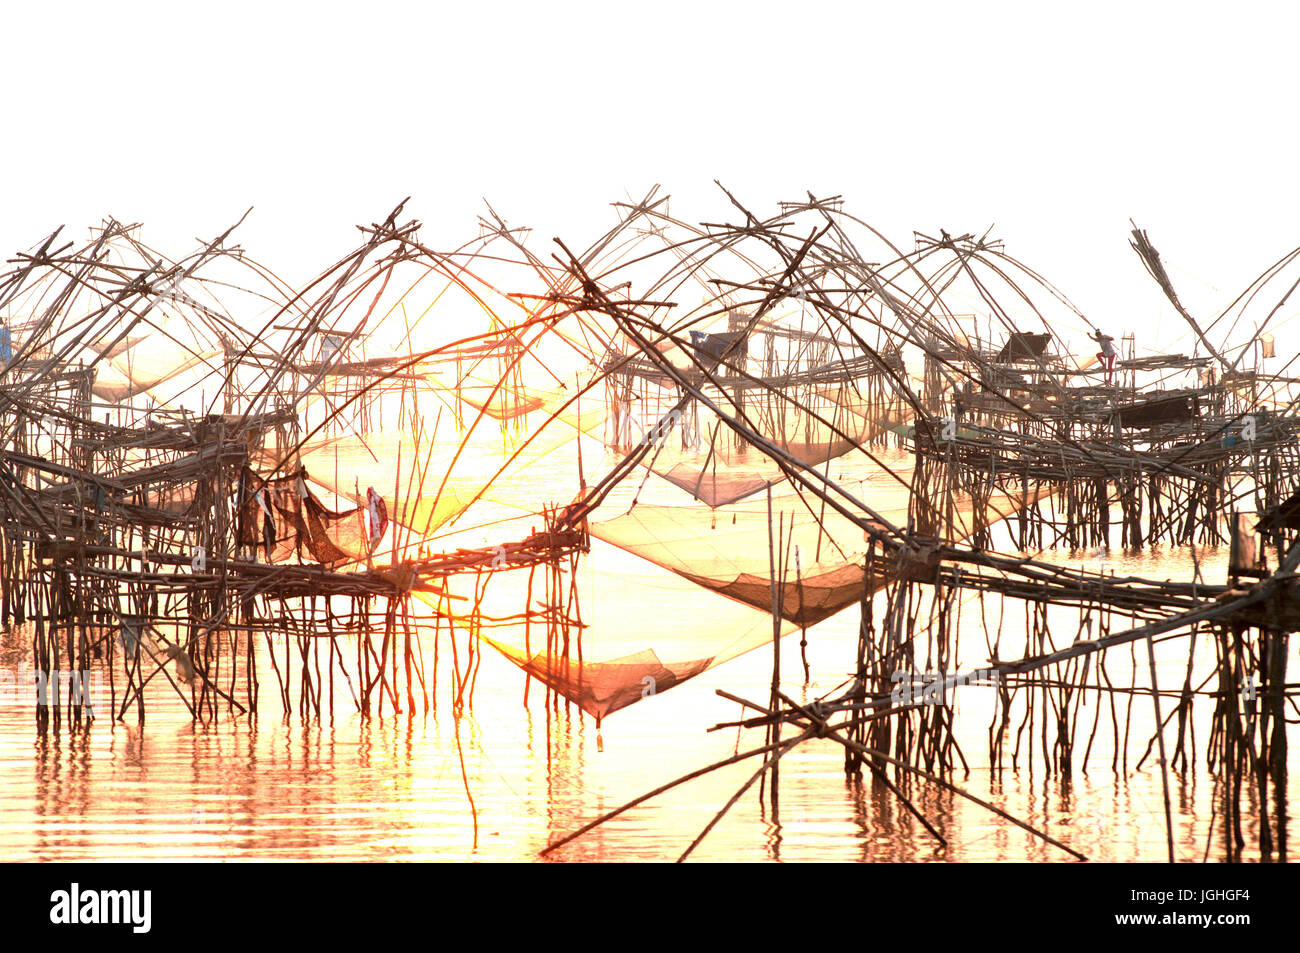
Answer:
(1056, 126)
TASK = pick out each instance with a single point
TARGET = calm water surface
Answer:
(393, 788)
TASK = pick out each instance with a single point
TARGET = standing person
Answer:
(1106, 355)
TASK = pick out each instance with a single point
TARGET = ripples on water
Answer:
(392, 787)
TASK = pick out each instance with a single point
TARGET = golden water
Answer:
(392, 788)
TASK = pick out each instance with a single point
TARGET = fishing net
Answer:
(136, 371)
(727, 550)
(431, 483)
(284, 519)
(717, 473)
(818, 554)
(615, 658)
(709, 573)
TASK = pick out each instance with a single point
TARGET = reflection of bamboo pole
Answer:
(777, 589)
(1160, 736)
(831, 732)
(691, 776)
(769, 764)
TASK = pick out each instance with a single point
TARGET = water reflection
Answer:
(401, 786)
(396, 788)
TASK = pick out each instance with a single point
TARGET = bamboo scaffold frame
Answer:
(199, 548)
(1083, 449)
